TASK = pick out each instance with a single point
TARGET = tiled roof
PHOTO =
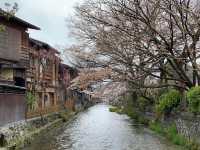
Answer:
(43, 44)
(11, 18)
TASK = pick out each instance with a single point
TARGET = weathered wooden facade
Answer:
(14, 57)
(12, 107)
(14, 51)
(66, 74)
(33, 81)
(42, 77)
(80, 97)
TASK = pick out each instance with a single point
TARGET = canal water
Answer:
(99, 129)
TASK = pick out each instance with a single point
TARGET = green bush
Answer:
(192, 145)
(168, 101)
(193, 97)
(118, 110)
(64, 115)
(30, 100)
(143, 120)
(129, 110)
(170, 132)
(172, 135)
(129, 107)
(113, 109)
(156, 127)
(142, 103)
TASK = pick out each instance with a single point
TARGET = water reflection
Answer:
(99, 129)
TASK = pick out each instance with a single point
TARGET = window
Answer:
(6, 74)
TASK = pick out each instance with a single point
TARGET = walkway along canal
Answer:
(99, 129)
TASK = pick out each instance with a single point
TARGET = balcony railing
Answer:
(24, 57)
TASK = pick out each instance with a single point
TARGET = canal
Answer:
(99, 129)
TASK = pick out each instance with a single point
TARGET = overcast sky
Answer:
(49, 15)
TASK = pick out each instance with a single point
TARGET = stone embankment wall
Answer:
(21, 133)
(189, 126)
(186, 123)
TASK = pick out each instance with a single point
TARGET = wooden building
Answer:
(14, 57)
(42, 78)
(33, 81)
(66, 75)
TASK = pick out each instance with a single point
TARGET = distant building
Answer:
(66, 75)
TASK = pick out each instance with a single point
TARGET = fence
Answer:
(42, 111)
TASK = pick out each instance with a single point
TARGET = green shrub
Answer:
(30, 100)
(168, 101)
(142, 103)
(192, 145)
(156, 127)
(130, 113)
(170, 132)
(64, 115)
(193, 97)
(129, 110)
(172, 135)
(113, 109)
(143, 120)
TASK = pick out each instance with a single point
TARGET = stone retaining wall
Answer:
(189, 126)
(17, 133)
(20, 133)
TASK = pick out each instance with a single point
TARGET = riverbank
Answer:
(169, 130)
(17, 135)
